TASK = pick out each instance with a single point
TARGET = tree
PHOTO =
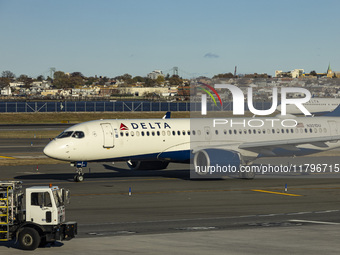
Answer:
(59, 75)
(4, 82)
(313, 73)
(7, 74)
(77, 74)
(149, 82)
(175, 80)
(160, 80)
(138, 79)
(26, 80)
(40, 78)
(223, 76)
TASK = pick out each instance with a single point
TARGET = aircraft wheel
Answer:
(247, 175)
(78, 178)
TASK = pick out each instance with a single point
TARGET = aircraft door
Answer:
(108, 135)
(333, 127)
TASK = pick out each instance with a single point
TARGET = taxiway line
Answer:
(277, 193)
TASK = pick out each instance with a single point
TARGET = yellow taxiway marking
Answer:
(278, 193)
(7, 157)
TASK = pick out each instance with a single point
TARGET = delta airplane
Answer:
(316, 106)
(154, 143)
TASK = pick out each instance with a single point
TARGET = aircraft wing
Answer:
(267, 147)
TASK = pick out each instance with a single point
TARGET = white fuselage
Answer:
(315, 106)
(177, 139)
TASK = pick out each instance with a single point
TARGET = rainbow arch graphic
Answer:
(209, 93)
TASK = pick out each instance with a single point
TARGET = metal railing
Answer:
(117, 106)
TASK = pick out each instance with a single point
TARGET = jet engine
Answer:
(147, 165)
(215, 163)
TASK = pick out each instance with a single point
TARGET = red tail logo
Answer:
(123, 127)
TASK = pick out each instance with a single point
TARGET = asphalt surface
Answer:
(167, 212)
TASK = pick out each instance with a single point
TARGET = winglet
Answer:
(167, 115)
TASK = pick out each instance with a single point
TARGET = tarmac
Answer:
(120, 211)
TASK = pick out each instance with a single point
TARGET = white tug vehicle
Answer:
(34, 216)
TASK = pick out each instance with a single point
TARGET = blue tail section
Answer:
(335, 113)
(167, 115)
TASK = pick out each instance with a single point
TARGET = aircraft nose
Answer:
(48, 150)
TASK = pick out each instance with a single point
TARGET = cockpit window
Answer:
(65, 134)
(78, 134)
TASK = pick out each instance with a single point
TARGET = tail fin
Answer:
(167, 115)
(334, 113)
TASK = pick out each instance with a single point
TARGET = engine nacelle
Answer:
(147, 165)
(215, 163)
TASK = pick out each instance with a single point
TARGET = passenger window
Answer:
(183, 132)
(178, 132)
(173, 133)
(121, 134)
(142, 133)
(194, 132)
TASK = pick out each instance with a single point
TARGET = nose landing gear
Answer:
(79, 177)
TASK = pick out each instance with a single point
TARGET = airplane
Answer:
(316, 106)
(153, 143)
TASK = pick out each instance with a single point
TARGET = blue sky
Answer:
(110, 38)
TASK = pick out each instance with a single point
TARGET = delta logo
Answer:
(143, 125)
(123, 127)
